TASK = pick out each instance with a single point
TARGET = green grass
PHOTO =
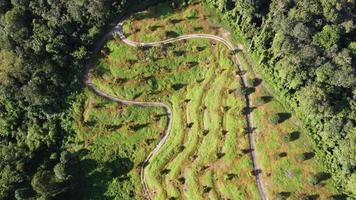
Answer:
(206, 75)
(285, 174)
(207, 146)
(110, 150)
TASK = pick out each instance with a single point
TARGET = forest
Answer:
(307, 48)
(43, 48)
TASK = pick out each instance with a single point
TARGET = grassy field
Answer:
(207, 154)
(113, 141)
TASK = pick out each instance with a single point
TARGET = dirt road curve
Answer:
(117, 30)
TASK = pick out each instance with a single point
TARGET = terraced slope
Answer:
(206, 155)
(196, 90)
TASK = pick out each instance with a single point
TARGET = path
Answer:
(119, 31)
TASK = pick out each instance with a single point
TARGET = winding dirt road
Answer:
(117, 30)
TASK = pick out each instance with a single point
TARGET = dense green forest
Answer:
(43, 48)
(306, 47)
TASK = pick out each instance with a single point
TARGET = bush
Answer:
(274, 119)
(313, 180)
(259, 100)
(301, 157)
(282, 195)
(251, 82)
(287, 138)
(241, 91)
(191, 14)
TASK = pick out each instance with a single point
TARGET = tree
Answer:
(301, 157)
(314, 180)
(23, 194)
(328, 37)
(61, 172)
(274, 119)
(313, 100)
(9, 179)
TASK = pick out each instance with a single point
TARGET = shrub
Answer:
(282, 195)
(313, 180)
(191, 14)
(251, 82)
(287, 138)
(241, 91)
(301, 157)
(274, 119)
(260, 100)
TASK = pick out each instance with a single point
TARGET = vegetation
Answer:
(207, 128)
(275, 119)
(43, 48)
(60, 141)
(305, 50)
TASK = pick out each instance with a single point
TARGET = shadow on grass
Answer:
(256, 172)
(294, 135)
(98, 174)
(178, 86)
(175, 21)
(283, 117)
(308, 155)
(171, 34)
(256, 82)
(266, 99)
(137, 127)
(323, 176)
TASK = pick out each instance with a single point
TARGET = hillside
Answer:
(214, 99)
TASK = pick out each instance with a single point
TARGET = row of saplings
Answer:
(278, 118)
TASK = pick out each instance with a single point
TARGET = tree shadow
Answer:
(323, 176)
(266, 99)
(201, 48)
(181, 180)
(190, 125)
(248, 110)
(256, 82)
(140, 16)
(256, 172)
(295, 135)
(206, 189)
(249, 90)
(246, 151)
(99, 173)
(224, 132)
(282, 154)
(171, 34)
(149, 141)
(311, 197)
(285, 194)
(175, 21)
(138, 127)
(178, 86)
(192, 64)
(205, 132)
(165, 171)
(283, 117)
(308, 155)
(154, 27)
(179, 52)
(112, 127)
(120, 166)
(198, 28)
(338, 197)
(219, 155)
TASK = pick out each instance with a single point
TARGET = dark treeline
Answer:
(307, 48)
(43, 47)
